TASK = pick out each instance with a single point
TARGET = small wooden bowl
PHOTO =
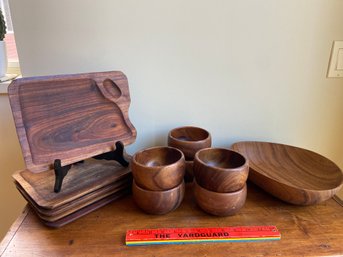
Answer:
(158, 168)
(189, 140)
(220, 170)
(220, 204)
(158, 202)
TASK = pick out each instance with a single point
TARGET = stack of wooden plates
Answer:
(71, 118)
(87, 187)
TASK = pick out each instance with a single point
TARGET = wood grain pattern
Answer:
(220, 169)
(220, 204)
(70, 117)
(189, 140)
(75, 208)
(315, 230)
(292, 174)
(158, 202)
(158, 168)
(82, 179)
(66, 209)
(86, 210)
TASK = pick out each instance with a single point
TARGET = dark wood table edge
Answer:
(338, 200)
(13, 230)
(11, 233)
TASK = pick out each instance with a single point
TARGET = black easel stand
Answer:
(117, 155)
(61, 172)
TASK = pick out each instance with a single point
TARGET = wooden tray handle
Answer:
(110, 90)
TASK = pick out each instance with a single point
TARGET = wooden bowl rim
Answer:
(238, 192)
(239, 168)
(187, 141)
(159, 192)
(290, 185)
(182, 157)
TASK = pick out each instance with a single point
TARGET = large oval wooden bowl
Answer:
(219, 204)
(158, 202)
(189, 140)
(158, 168)
(292, 174)
(220, 170)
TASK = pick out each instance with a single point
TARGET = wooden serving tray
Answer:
(292, 174)
(70, 117)
(79, 203)
(84, 211)
(82, 179)
(75, 205)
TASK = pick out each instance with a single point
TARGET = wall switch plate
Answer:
(336, 60)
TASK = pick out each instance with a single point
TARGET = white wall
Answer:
(10, 160)
(243, 69)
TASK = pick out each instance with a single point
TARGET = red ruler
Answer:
(201, 235)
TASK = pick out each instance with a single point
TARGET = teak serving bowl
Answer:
(220, 170)
(189, 140)
(290, 173)
(158, 202)
(158, 168)
(220, 204)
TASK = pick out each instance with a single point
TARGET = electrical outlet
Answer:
(336, 60)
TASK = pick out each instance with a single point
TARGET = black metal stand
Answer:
(61, 172)
(116, 155)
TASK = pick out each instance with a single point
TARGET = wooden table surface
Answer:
(305, 231)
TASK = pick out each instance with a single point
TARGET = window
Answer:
(12, 55)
